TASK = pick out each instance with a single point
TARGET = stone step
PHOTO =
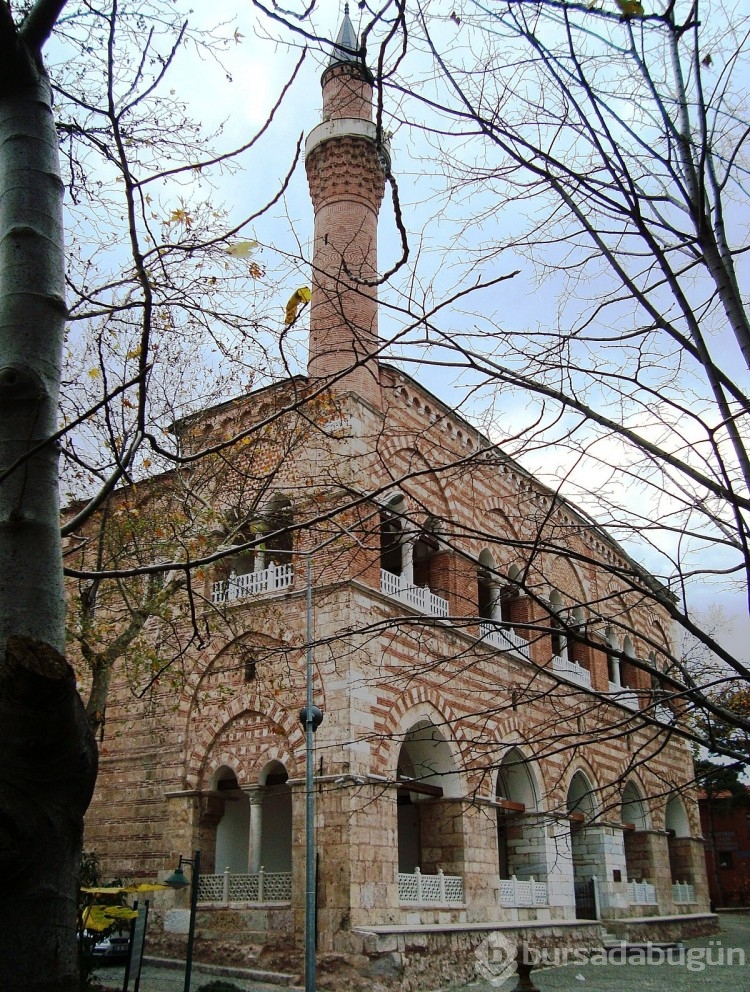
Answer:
(228, 971)
(245, 936)
(627, 947)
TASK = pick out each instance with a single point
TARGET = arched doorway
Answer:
(274, 799)
(677, 825)
(232, 830)
(634, 817)
(521, 843)
(430, 830)
(521, 834)
(584, 854)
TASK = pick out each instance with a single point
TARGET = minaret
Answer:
(347, 181)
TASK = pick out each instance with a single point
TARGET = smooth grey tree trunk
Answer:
(48, 765)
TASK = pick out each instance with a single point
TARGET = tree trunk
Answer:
(46, 780)
(48, 754)
(32, 324)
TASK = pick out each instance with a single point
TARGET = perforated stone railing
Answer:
(571, 670)
(683, 892)
(414, 887)
(418, 597)
(625, 696)
(641, 894)
(252, 584)
(504, 638)
(262, 886)
(523, 892)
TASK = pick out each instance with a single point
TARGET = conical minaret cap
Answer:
(347, 43)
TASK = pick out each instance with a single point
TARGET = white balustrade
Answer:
(419, 597)
(519, 892)
(262, 886)
(414, 887)
(625, 696)
(664, 714)
(683, 892)
(504, 638)
(641, 894)
(252, 584)
(571, 670)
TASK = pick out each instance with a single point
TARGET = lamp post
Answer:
(310, 717)
(178, 881)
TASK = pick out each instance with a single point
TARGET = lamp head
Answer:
(177, 879)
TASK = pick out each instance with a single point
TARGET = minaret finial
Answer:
(347, 43)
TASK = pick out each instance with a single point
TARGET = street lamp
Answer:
(311, 718)
(178, 881)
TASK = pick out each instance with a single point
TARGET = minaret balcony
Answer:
(343, 127)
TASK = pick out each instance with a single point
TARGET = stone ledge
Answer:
(406, 928)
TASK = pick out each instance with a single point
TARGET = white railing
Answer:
(625, 696)
(263, 886)
(664, 714)
(252, 583)
(683, 892)
(571, 670)
(504, 638)
(641, 894)
(418, 888)
(419, 597)
(518, 892)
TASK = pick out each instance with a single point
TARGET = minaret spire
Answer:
(347, 43)
(347, 181)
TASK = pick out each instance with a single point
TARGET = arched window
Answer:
(521, 839)
(392, 536)
(558, 636)
(232, 830)
(275, 853)
(578, 650)
(634, 815)
(278, 519)
(679, 844)
(426, 546)
(488, 592)
(430, 833)
(614, 667)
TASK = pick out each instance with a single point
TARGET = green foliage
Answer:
(721, 784)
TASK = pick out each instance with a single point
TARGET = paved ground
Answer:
(716, 964)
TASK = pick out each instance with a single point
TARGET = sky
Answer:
(240, 92)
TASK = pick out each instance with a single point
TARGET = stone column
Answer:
(407, 561)
(255, 832)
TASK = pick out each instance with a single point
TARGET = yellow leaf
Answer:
(241, 249)
(630, 8)
(180, 216)
(95, 373)
(134, 353)
(301, 295)
(100, 918)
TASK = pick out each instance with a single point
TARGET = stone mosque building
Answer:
(493, 755)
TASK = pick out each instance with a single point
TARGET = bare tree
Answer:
(140, 299)
(603, 149)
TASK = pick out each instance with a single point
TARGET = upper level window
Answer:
(279, 541)
(426, 546)
(558, 635)
(392, 536)
(614, 669)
